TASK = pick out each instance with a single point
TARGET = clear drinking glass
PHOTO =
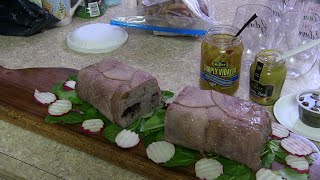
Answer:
(258, 34)
(296, 28)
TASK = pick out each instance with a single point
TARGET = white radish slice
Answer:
(160, 151)
(60, 107)
(44, 97)
(296, 146)
(93, 125)
(267, 174)
(279, 131)
(208, 169)
(127, 139)
(300, 164)
(69, 85)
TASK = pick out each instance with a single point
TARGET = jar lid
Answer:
(97, 38)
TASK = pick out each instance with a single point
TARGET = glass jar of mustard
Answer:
(267, 77)
(221, 57)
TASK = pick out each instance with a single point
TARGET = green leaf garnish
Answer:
(111, 131)
(234, 170)
(291, 174)
(155, 122)
(273, 151)
(62, 94)
(182, 157)
(166, 95)
(69, 118)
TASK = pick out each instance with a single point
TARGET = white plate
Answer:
(97, 38)
(286, 112)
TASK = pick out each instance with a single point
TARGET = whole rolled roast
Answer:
(120, 92)
(213, 122)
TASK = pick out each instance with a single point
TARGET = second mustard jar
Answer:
(221, 57)
(267, 76)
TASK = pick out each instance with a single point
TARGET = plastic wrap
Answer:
(185, 17)
(23, 18)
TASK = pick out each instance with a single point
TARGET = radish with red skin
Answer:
(60, 107)
(267, 174)
(44, 98)
(127, 139)
(92, 126)
(69, 85)
(299, 164)
(208, 169)
(279, 131)
(296, 146)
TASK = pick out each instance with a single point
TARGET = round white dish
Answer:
(97, 38)
(286, 112)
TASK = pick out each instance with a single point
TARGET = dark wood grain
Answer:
(17, 106)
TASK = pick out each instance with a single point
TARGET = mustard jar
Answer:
(267, 76)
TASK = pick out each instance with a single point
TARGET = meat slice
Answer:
(213, 122)
(120, 92)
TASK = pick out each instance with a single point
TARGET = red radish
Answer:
(60, 107)
(127, 139)
(296, 146)
(160, 151)
(279, 131)
(44, 97)
(267, 174)
(208, 168)
(300, 164)
(92, 126)
(69, 85)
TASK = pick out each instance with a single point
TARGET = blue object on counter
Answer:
(112, 2)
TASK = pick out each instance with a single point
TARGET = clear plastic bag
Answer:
(173, 17)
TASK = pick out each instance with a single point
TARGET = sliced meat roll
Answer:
(120, 92)
(210, 121)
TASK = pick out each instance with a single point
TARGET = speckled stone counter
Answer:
(173, 60)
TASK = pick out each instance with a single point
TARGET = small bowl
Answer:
(309, 107)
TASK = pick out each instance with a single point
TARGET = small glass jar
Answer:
(267, 77)
(221, 57)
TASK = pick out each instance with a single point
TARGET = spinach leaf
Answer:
(234, 170)
(62, 94)
(153, 137)
(73, 77)
(111, 131)
(135, 127)
(291, 174)
(182, 157)
(166, 95)
(69, 118)
(155, 122)
(273, 151)
(267, 160)
(309, 159)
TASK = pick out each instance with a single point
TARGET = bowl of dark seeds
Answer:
(309, 107)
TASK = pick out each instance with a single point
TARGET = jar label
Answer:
(259, 90)
(257, 71)
(219, 74)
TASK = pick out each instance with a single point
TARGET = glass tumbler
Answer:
(297, 28)
(258, 34)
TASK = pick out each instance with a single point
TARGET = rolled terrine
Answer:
(213, 122)
(120, 92)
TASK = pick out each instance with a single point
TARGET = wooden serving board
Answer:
(18, 107)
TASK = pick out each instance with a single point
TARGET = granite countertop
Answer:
(173, 60)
